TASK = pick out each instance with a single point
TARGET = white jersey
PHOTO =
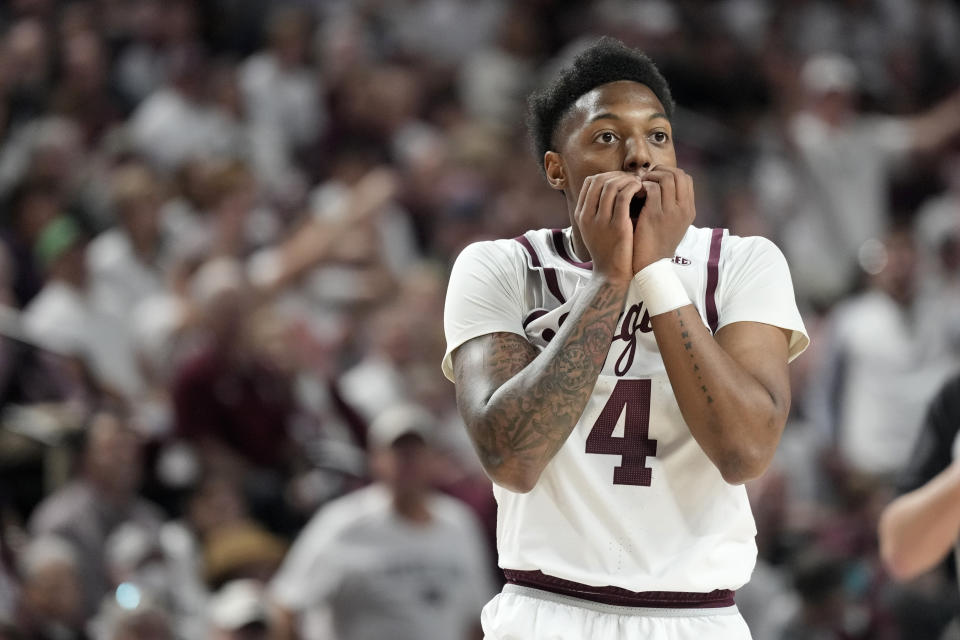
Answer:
(630, 500)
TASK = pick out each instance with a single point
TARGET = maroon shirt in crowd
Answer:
(242, 404)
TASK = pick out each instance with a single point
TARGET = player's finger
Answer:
(588, 210)
(689, 194)
(654, 204)
(611, 190)
(583, 192)
(624, 198)
(668, 185)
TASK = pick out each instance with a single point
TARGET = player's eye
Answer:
(660, 137)
(606, 137)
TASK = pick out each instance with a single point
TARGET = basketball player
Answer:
(620, 378)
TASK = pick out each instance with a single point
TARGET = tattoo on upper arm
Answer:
(507, 356)
(529, 422)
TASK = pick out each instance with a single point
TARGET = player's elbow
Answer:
(515, 481)
(744, 464)
(504, 466)
(738, 475)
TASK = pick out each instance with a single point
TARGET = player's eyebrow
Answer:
(606, 115)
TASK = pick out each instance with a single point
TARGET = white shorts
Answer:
(524, 613)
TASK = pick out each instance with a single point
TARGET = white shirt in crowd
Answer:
(381, 576)
(65, 320)
(833, 197)
(170, 129)
(120, 280)
(884, 363)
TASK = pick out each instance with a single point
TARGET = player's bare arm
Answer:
(520, 406)
(733, 388)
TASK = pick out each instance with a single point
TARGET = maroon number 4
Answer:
(632, 397)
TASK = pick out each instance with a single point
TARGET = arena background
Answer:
(225, 229)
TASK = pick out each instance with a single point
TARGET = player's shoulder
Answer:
(750, 248)
(495, 250)
(534, 249)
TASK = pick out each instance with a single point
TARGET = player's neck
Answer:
(580, 253)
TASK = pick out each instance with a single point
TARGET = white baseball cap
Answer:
(829, 72)
(237, 604)
(401, 420)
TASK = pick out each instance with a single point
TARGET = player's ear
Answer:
(553, 167)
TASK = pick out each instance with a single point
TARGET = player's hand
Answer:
(667, 213)
(603, 218)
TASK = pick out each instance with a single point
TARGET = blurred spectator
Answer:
(132, 555)
(126, 262)
(230, 400)
(84, 94)
(241, 550)
(440, 31)
(30, 207)
(238, 611)
(101, 498)
(831, 194)
(883, 356)
(131, 615)
(51, 151)
(28, 373)
(820, 582)
(148, 624)
(379, 380)
(495, 80)
(64, 318)
(376, 244)
(938, 235)
(137, 561)
(284, 100)
(919, 528)
(27, 50)
(236, 219)
(394, 559)
(211, 503)
(51, 605)
(141, 66)
(177, 122)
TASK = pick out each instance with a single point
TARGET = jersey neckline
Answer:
(563, 244)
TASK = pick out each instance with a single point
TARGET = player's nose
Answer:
(636, 158)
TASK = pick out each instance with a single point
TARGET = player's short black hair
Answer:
(606, 60)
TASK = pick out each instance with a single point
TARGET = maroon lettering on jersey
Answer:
(630, 398)
(633, 322)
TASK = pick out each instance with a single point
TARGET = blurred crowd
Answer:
(225, 229)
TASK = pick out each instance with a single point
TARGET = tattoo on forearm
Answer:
(528, 423)
(688, 347)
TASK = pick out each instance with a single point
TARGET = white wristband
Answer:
(658, 285)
